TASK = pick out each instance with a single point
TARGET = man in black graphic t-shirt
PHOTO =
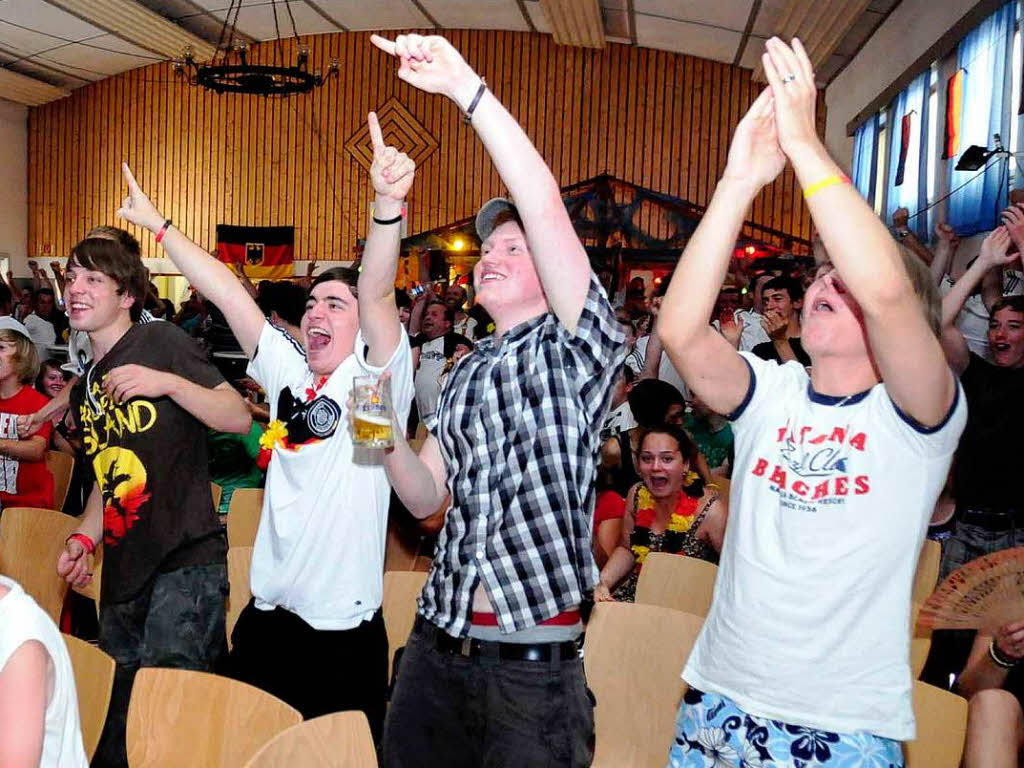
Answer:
(143, 406)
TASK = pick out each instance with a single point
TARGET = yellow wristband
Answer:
(828, 181)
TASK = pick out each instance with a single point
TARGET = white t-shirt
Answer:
(42, 334)
(319, 549)
(466, 326)
(22, 620)
(810, 621)
(666, 371)
(753, 332)
(428, 386)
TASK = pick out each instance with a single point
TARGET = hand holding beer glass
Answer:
(371, 411)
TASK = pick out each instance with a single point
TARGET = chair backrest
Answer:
(180, 717)
(239, 591)
(677, 581)
(217, 492)
(634, 655)
(941, 728)
(401, 588)
(927, 575)
(94, 680)
(338, 739)
(31, 540)
(244, 516)
(920, 643)
(61, 466)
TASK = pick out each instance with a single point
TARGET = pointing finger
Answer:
(384, 44)
(376, 136)
(133, 185)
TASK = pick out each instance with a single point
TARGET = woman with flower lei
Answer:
(671, 510)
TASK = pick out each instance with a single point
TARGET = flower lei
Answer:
(276, 435)
(677, 523)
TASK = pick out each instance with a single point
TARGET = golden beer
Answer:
(372, 429)
(371, 413)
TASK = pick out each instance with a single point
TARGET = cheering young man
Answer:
(805, 653)
(491, 675)
(143, 405)
(313, 634)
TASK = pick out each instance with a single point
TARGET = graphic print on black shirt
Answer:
(149, 459)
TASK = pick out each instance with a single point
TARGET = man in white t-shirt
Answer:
(805, 651)
(39, 723)
(428, 355)
(313, 634)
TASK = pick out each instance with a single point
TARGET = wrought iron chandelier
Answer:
(231, 72)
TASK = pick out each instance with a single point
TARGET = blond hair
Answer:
(26, 357)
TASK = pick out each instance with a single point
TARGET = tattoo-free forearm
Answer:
(220, 408)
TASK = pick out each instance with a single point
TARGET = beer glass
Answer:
(372, 414)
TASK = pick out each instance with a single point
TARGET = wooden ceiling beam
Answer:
(575, 22)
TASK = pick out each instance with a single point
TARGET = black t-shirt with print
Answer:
(149, 459)
(987, 468)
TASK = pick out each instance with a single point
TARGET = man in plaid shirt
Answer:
(491, 675)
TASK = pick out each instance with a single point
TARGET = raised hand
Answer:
(1013, 220)
(432, 65)
(392, 171)
(754, 154)
(791, 77)
(900, 218)
(732, 328)
(137, 207)
(947, 234)
(995, 248)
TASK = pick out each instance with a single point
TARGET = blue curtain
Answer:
(985, 55)
(865, 158)
(910, 190)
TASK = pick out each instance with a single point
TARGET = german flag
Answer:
(268, 253)
(954, 113)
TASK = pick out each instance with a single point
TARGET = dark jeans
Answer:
(177, 621)
(453, 711)
(317, 671)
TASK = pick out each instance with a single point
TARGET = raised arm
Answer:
(866, 258)
(900, 221)
(948, 242)
(433, 65)
(392, 174)
(211, 277)
(708, 363)
(993, 255)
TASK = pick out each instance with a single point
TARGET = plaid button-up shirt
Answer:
(518, 424)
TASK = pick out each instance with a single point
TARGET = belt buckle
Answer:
(465, 647)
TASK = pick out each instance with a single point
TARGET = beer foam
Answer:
(373, 418)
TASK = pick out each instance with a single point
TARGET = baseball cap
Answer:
(489, 213)
(8, 323)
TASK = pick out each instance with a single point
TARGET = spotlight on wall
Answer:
(458, 244)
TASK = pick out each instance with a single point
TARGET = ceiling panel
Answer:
(384, 14)
(537, 16)
(65, 77)
(258, 20)
(731, 14)
(477, 14)
(39, 15)
(683, 37)
(769, 16)
(101, 56)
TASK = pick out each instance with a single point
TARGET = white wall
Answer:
(909, 31)
(14, 175)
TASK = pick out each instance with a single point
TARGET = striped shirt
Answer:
(518, 424)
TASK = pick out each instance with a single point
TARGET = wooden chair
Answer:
(244, 516)
(634, 655)
(31, 540)
(339, 739)
(401, 588)
(920, 643)
(678, 582)
(927, 575)
(941, 728)
(239, 591)
(179, 717)
(94, 680)
(217, 492)
(61, 466)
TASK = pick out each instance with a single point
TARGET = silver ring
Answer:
(789, 78)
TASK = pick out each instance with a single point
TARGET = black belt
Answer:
(992, 518)
(471, 647)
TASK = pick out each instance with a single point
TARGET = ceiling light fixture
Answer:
(230, 71)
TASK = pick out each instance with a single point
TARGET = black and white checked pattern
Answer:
(518, 423)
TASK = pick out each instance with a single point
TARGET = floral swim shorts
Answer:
(712, 732)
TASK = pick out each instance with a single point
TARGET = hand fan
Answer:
(984, 594)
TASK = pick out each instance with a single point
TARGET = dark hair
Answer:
(346, 275)
(1012, 303)
(122, 236)
(54, 364)
(504, 216)
(687, 448)
(650, 400)
(6, 297)
(288, 300)
(47, 290)
(402, 299)
(787, 284)
(113, 259)
(449, 312)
